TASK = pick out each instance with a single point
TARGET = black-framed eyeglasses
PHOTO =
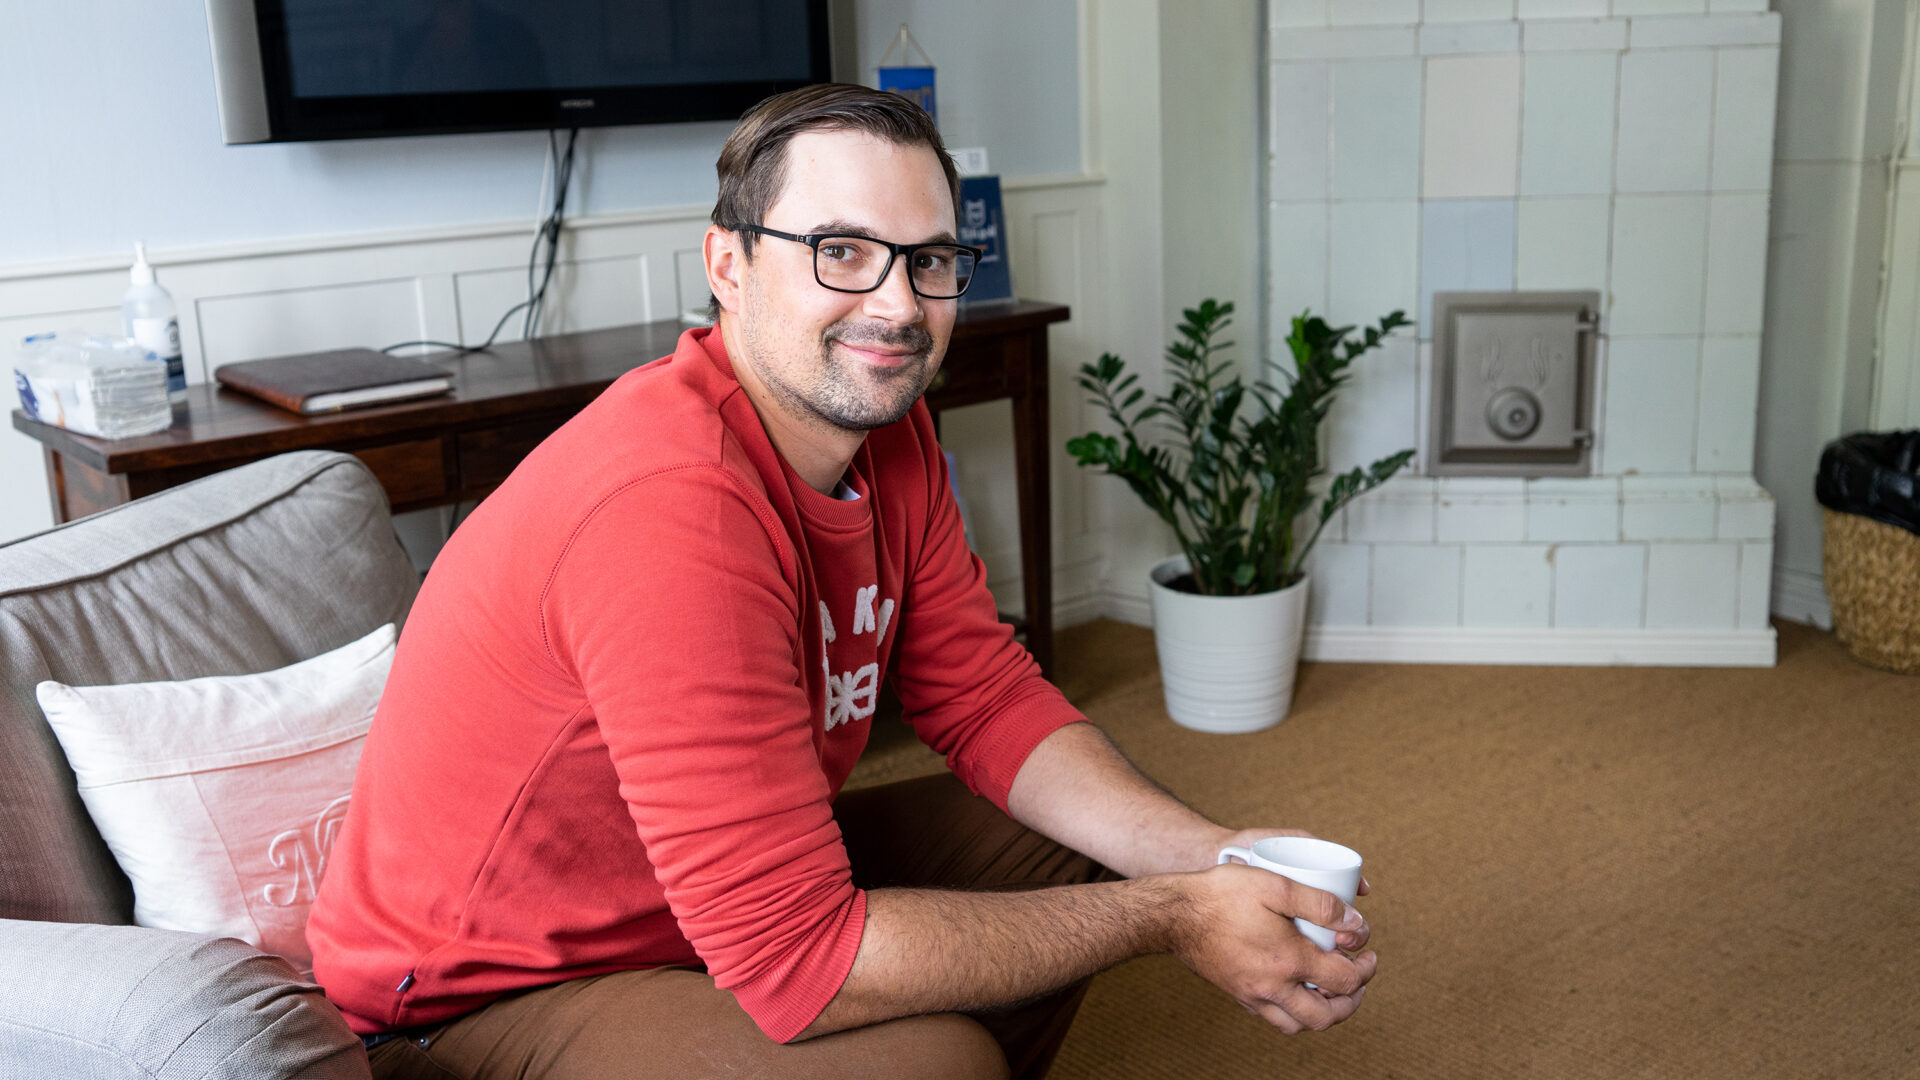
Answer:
(859, 264)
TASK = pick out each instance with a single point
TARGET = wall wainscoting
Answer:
(243, 301)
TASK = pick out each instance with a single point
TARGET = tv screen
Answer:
(293, 70)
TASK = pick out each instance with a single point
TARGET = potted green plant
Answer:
(1236, 488)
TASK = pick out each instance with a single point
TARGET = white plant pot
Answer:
(1226, 662)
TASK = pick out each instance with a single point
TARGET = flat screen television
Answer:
(305, 70)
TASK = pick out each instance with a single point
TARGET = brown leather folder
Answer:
(329, 381)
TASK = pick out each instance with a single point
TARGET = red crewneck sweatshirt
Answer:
(629, 691)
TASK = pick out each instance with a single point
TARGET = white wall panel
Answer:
(250, 326)
(586, 295)
(244, 302)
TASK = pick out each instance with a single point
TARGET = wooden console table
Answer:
(458, 447)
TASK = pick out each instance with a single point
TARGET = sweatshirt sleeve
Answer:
(969, 690)
(677, 610)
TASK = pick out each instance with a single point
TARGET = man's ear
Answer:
(725, 265)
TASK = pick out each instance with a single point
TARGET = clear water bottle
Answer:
(150, 318)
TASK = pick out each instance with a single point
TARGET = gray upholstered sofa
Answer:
(244, 571)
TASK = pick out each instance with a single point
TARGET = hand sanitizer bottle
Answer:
(151, 319)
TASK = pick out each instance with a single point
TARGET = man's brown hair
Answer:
(753, 164)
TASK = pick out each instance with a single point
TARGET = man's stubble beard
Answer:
(837, 396)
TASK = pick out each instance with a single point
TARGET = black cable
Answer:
(549, 232)
(550, 228)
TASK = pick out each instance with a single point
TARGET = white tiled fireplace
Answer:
(1497, 145)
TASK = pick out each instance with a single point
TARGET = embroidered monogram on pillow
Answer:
(220, 797)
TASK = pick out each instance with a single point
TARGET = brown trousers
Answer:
(673, 1022)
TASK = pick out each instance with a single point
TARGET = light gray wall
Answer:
(1007, 74)
(108, 115)
(1210, 57)
(1839, 99)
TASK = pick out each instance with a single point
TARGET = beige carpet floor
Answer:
(1577, 872)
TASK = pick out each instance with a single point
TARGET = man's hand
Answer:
(1246, 837)
(1239, 935)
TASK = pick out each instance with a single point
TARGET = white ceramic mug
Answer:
(1321, 864)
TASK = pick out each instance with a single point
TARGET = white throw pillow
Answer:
(220, 797)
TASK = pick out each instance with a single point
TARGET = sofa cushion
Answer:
(220, 797)
(126, 1001)
(242, 571)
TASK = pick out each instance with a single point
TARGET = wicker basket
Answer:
(1873, 581)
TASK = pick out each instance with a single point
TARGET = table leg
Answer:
(1031, 475)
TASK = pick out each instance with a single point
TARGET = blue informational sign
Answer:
(913, 83)
(983, 224)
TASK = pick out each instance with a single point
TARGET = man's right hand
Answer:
(1238, 934)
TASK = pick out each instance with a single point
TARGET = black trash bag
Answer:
(1874, 474)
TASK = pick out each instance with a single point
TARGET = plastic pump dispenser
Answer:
(149, 317)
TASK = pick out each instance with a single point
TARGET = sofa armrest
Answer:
(85, 1000)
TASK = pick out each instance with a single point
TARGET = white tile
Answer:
(1756, 586)
(1692, 586)
(1302, 163)
(1720, 6)
(1666, 120)
(1374, 417)
(1574, 487)
(1739, 487)
(1376, 129)
(1598, 587)
(1416, 585)
(1480, 487)
(1676, 517)
(1566, 141)
(1729, 404)
(1507, 585)
(1562, 243)
(1650, 390)
(1392, 514)
(1587, 511)
(1669, 487)
(1736, 263)
(1658, 277)
(1746, 84)
(1374, 266)
(1746, 519)
(1467, 10)
(1706, 30)
(1480, 519)
(1465, 245)
(1342, 42)
(1297, 261)
(1290, 13)
(1561, 9)
(1447, 38)
(1472, 132)
(1562, 35)
(1374, 12)
(1659, 7)
(1337, 595)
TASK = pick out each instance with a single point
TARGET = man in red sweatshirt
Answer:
(597, 827)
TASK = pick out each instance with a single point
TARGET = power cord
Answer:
(548, 233)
